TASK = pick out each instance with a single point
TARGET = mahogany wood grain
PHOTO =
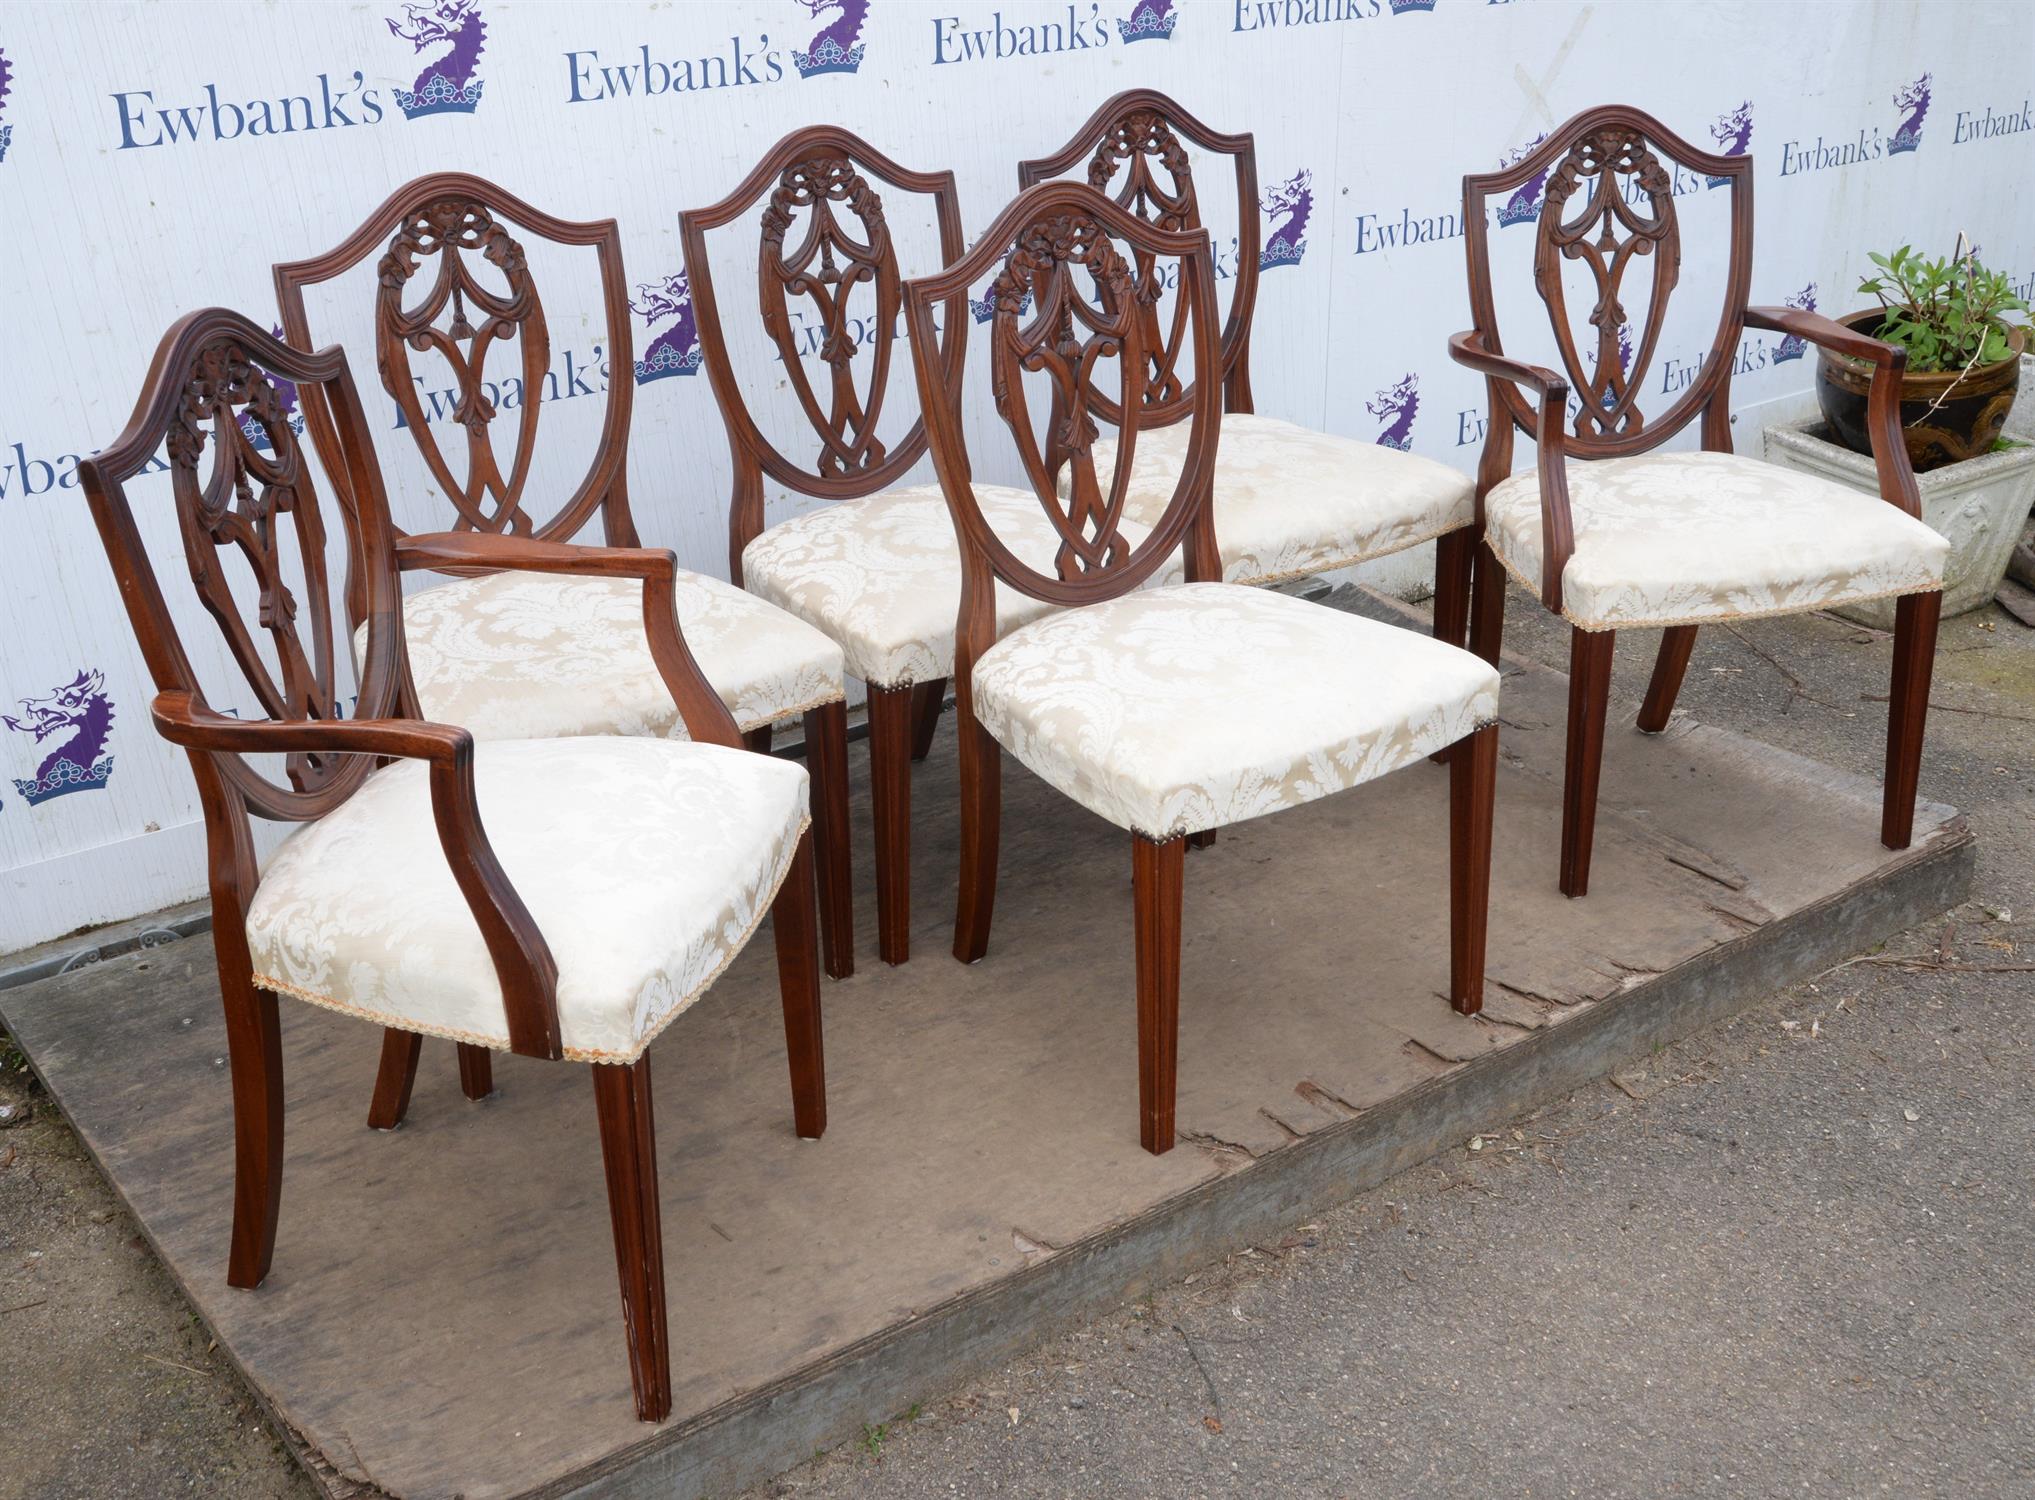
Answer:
(1677, 641)
(476, 1072)
(1473, 781)
(928, 698)
(394, 1078)
(826, 732)
(254, 1049)
(1915, 620)
(629, 1156)
(1590, 653)
(798, 979)
(1158, 886)
(890, 801)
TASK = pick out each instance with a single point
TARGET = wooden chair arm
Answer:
(707, 719)
(1883, 401)
(1557, 526)
(523, 963)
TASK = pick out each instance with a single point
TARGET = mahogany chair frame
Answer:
(1579, 159)
(450, 215)
(1037, 242)
(1132, 131)
(811, 170)
(213, 370)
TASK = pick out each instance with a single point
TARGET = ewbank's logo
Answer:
(836, 48)
(1397, 406)
(286, 395)
(1914, 100)
(1149, 21)
(6, 81)
(1524, 205)
(1733, 135)
(1792, 346)
(1290, 204)
(80, 715)
(448, 85)
(676, 351)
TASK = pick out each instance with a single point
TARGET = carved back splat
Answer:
(430, 300)
(1077, 273)
(825, 230)
(213, 387)
(1609, 204)
(1138, 134)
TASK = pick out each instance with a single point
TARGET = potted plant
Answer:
(1964, 356)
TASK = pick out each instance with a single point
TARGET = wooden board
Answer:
(442, 1318)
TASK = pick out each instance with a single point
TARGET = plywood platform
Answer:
(442, 1317)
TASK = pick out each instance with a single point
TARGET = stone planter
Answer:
(1980, 505)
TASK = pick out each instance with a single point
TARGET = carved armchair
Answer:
(876, 567)
(1168, 710)
(1289, 502)
(541, 642)
(1612, 534)
(613, 879)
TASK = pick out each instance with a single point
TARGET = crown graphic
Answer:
(1149, 24)
(829, 57)
(1519, 210)
(984, 307)
(1401, 7)
(64, 778)
(1281, 253)
(1905, 140)
(668, 361)
(439, 96)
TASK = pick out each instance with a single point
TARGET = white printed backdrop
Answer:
(159, 157)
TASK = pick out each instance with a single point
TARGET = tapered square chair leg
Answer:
(1589, 701)
(254, 1046)
(890, 799)
(1677, 641)
(629, 1153)
(1915, 620)
(1157, 880)
(394, 1079)
(1473, 782)
(927, 700)
(476, 1072)
(798, 982)
(827, 765)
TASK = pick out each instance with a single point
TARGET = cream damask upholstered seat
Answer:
(1291, 502)
(646, 863)
(540, 655)
(1689, 538)
(882, 575)
(1174, 710)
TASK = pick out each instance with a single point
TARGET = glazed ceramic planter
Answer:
(1979, 505)
(1947, 417)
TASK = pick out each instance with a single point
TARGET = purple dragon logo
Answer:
(447, 86)
(676, 351)
(286, 392)
(1397, 406)
(1402, 7)
(835, 49)
(1915, 100)
(1149, 21)
(1794, 345)
(1294, 198)
(6, 82)
(1733, 134)
(1524, 204)
(82, 713)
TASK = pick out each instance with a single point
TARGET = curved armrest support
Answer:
(706, 717)
(523, 963)
(1557, 526)
(1883, 404)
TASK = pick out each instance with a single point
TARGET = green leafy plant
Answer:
(1948, 313)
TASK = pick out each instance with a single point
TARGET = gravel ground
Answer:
(1794, 1255)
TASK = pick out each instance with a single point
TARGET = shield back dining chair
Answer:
(562, 898)
(511, 649)
(1290, 502)
(1612, 533)
(873, 563)
(1167, 710)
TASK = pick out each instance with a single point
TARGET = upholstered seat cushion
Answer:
(646, 864)
(882, 575)
(1290, 502)
(517, 655)
(1681, 538)
(1173, 710)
